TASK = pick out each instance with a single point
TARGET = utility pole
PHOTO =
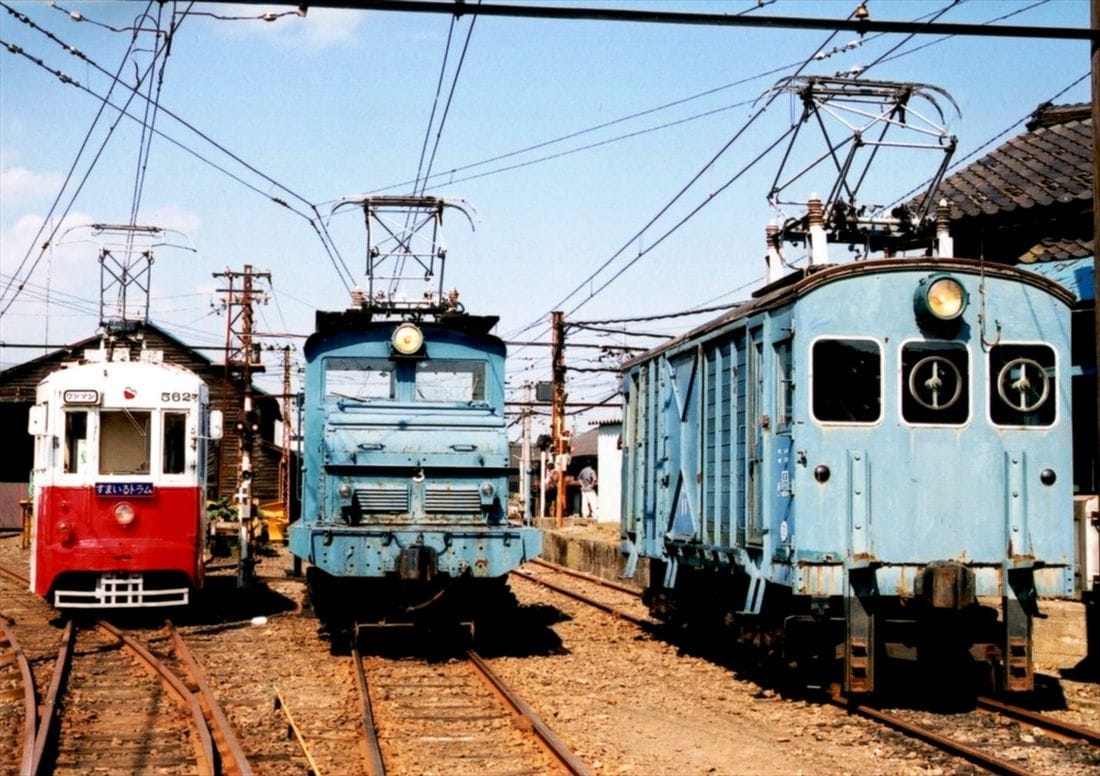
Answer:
(284, 461)
(557, 344)
(241, 360)
(525, 456)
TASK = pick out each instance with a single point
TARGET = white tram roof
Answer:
(122, 381)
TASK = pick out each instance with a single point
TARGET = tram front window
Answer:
(124, 442)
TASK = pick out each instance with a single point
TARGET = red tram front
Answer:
(119, 482)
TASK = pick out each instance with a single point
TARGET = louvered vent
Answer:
(438, 500)
(383, 500)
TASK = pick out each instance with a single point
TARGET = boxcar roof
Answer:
(801, 282)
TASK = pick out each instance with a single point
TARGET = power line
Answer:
(315, 220)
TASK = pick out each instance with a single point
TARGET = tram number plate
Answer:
(132, 489)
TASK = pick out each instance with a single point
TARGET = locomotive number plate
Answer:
(131, 489)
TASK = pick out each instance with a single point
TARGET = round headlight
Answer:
(407, 339)
(124, 514)
(942, 297)
(487, 489)
(345, 490)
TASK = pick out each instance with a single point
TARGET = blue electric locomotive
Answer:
(868, 461)
(405, 460)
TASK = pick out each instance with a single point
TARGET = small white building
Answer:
(609, 456)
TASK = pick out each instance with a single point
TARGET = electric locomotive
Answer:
(406, 461)
(865, 462)
(119, 481)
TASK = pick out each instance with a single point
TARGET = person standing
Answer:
(587, 479)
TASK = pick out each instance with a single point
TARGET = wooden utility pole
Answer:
(241, 360)
(525, 455)
(557, 345)
(284, 461)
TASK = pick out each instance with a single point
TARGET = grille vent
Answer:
(382, 500)
(438, 500)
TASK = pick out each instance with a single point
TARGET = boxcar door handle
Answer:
(463, 448)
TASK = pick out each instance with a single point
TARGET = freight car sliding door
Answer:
(754, 438)
(719, 424)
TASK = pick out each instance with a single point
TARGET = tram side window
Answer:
(364, 379)
(76, 441)
(1021, 385)
(935, 383)
(847, 381)
(175, 441)
(123, 442)
(450, 381)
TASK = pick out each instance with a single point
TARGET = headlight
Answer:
(407, 339)
(487, 492)
(124, 514)
(941, 297)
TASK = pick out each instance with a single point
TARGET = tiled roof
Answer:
(1049, 164)
(1057, 249)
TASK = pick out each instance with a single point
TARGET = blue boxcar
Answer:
(405, 455)
(873, 459)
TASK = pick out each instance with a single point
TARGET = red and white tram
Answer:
(120, 468)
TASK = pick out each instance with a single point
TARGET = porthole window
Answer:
(935, 380)
(1021, 385)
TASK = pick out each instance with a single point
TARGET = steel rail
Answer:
(546, 736)
(639, 621)
(47, 721)
(10, 572)
(281, 705)
(233, 759)
(943, 743)
(30, 694)
(203, 742)
(372, 750)
(1074, 732)
(587, 577)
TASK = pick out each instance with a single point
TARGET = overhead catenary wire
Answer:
(313, 216)
(4, 295)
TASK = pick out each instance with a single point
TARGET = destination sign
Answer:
(131, 489)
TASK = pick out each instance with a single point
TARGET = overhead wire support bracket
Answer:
(868, 112)
(405, 247)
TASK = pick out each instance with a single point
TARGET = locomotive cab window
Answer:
(935, 383)
(1021, 385)
(123, 442)
(447, 380)
(846, 385)
(362, 379)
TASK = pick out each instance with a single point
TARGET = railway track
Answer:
(452, 716)
(112, 704)
(980, 736)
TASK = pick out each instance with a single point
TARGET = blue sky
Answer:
(338, 103)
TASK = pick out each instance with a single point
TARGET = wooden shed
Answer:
(17, 391)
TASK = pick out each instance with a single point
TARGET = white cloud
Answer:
(18, 184)
(174, 217)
